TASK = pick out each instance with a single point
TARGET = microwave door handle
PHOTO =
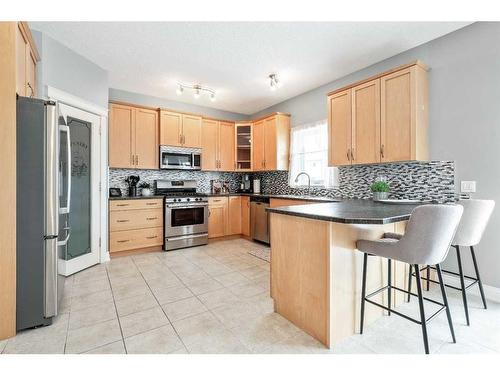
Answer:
(65, 128)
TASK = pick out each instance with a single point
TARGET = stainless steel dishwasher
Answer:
(259, 219)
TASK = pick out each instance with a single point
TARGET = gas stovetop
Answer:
(183, 191)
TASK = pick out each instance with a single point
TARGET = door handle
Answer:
(209, 212)
(32, 91)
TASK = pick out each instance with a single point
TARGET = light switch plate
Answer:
(468, 186)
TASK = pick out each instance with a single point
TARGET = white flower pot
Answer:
(146, 192)
(380, 195)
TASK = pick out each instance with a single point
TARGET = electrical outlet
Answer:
(468, 186)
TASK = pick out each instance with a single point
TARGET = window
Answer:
(309, 153)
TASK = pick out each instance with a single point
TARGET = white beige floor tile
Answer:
(218, 342)
(143, 321)
(197, 327)
(231, 278)
(3, 344)
(93, 299)
(88, 338)
(134, 304)
(254, 272)
(218, 298)
(117, 347)
(203, 285)
(127, 291)
(89, 287)
(162, 283)
(245, 289)
(117, 282)
(172, 294)
(92, 315)
(301, 343)
(162, 340)
(184, 308)
(24, 343)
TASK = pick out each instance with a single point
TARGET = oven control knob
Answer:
(188, 199)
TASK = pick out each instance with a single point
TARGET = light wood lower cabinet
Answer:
(135, 224)
(245, 216)
(279, 202)
(217, 216)
(234, 214)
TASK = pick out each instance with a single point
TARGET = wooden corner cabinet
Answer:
(243, 146)
(26, 59)
(179, 129)
(271, 143)
(381, 119)
(133, 137)
(217, 145)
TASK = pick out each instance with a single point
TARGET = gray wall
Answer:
(464, 115)
(152, 101)
(66, 70)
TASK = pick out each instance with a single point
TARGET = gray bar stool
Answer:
(426, 241)
(476, 215)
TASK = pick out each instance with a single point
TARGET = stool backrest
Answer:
(477, 213)
(430, 231)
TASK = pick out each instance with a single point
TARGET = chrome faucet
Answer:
(308, 181)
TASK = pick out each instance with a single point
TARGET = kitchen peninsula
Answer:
(316, 270)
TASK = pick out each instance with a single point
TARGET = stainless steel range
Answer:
(186, 214)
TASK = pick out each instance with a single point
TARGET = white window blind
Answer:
(309, 153)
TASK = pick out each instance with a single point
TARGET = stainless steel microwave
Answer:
(180, 160)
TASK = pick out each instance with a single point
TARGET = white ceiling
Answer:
(235, 58)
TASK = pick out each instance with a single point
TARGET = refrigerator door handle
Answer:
(50, 278)
(65, 129)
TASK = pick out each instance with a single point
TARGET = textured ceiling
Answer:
(235, 58)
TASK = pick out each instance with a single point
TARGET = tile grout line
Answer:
(158, 302)
(116, 311)
(69, 313)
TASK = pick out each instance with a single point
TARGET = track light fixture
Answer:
(198, 89)
(273, 82)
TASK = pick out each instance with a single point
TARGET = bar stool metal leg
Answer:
(409, 283)
(421, 307)
(445, 301)
(478, 277)
(428, 278)
(389, 272)
(363, 293)
(462, 284)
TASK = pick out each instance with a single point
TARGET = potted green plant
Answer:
(145, 189)
(380, 190)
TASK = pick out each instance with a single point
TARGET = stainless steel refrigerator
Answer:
(40, 188)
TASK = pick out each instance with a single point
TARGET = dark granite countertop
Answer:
(352, 211)
(138, 197)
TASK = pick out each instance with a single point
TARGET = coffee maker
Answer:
(246, 185)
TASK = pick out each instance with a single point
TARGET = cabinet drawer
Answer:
(135, 239)
(135, 204)
(135, 219)
(217, 201)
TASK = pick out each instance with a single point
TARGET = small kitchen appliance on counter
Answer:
(132, 185)
(246, 185)
(256, 186)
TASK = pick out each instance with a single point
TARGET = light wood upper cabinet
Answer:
(245, 215)
(146, 139)
(404, 117)
(26, 60)
(121, 122)
(387, 120)
(234, 215)
(365, 147)
(270, 143)
(226, 146)
(340, 131)
(258, 146)
(217, 216)
(191, 131)
(209, 144)
(170, 128)
(133, 137)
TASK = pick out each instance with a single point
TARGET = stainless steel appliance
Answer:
(246, 185)
(186, 214)
(259, 219)
(43, 194)
(180, 160)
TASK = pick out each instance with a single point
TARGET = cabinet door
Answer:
(191, 131)
(339, 128)
(397, 115)
(270, 144)
(30, 73)
(226, 146)
(234, 221)
(21, 60)
(121, 120)
(146, 139)
(170, 128)
(258, 146)
(365, 147)
(209, 139)
(217, 217)
(245, 216)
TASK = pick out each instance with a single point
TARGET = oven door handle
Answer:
(189, 206)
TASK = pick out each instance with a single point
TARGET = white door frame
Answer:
(73, 101)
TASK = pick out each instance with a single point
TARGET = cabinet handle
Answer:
(382, 151)
(151, 218)
(209, 212)
(123, 204)
(348, 156)
(122, 221)
(32, 91)
(352, 154)
(136, 159)
(132, 160)
(122, 241)
(151, 237)
(180, 139)
(151, 204)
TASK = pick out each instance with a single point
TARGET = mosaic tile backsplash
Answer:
(433, 180)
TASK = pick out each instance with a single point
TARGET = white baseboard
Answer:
(492, 293)
(105, 257)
